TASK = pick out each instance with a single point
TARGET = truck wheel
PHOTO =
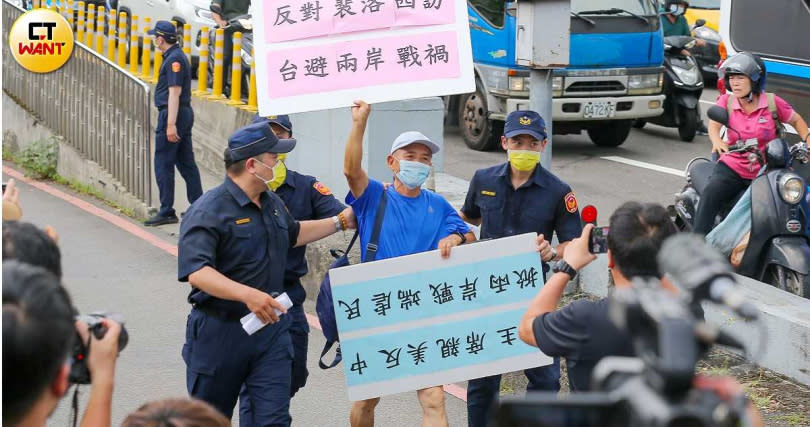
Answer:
(689, 124)
(610, 134)
(479, 132)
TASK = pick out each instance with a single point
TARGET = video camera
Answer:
(79, 373)
(654, 389)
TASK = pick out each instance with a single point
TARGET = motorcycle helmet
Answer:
(671, 6)
(747, 64)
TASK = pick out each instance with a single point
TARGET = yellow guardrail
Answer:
(236, 68)
(124, 41)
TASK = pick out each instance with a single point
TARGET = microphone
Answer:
(704, 272)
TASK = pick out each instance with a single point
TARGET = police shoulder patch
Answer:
(175, 66)
(571, 202)
(322, 188)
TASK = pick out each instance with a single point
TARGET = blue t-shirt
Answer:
(411, 224)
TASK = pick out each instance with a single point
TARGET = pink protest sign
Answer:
(297, 19)
(424, 12)
(371, 62)
(319, 54)
(287, 20)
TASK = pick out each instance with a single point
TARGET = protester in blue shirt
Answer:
(415, 220)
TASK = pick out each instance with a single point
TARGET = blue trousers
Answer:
(482, 393)
(220, 357)
(169, 155)
(299, 333)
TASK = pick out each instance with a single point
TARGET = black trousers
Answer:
(724, 186)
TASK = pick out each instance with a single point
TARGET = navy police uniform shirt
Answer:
(226, 231)
(174, 71)
(306, 199)
(542, 205)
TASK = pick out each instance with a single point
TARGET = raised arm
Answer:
(353, 159)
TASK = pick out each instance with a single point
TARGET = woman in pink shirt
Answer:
(744, 75)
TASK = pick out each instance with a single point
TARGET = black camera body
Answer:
(79, 372)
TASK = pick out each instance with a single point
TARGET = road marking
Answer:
(645, 165)
(136, 231)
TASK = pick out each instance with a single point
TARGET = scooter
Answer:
(683, 85)
(244, 25)
(778, 250)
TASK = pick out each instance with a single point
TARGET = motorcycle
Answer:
(778, 251)
(244, 25)
(708, 55)
(683, 85)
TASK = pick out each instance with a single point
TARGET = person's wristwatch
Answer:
(463, 237)
(553, 254)
(564, 267)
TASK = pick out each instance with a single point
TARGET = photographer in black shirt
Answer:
(581, 331)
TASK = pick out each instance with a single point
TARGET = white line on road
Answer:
(645, 165)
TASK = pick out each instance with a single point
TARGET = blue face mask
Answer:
(679, 10)
(413, 174)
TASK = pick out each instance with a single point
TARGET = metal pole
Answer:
(540, 94)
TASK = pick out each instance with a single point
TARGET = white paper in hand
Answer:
(251, 324)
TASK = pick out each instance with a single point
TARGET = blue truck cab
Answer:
(614, 76)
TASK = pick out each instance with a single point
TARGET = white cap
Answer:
(407, 138)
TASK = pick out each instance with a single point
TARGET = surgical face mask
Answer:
(279, 175)
(523, 160)
(679, 10)
(276, 172)
(413, 174)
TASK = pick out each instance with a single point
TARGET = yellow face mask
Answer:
(523, 160)
(279, 174)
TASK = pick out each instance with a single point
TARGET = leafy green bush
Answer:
(40, 158)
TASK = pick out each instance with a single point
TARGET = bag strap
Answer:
(338, 355)
(780, 127)
(372, 246)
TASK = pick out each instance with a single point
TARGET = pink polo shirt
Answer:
(758, 124)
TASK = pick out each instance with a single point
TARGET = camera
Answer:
(655, 388)
(79, 372)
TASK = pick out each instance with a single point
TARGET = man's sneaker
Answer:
(160, 220)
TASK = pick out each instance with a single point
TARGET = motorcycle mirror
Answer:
(700, 23)
(718, 114)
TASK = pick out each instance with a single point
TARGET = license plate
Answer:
(599, 109)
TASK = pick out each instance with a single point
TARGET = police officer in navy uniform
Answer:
(306, 198)
(175, 120)
(513, 198)
(233, 250)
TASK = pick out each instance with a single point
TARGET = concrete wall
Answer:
(21, 129)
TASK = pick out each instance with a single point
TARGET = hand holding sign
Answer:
(360, 112)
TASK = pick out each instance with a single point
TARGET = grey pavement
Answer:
(107, 268)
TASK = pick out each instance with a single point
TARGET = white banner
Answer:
(318, 54)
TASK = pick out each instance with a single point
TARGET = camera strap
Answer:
(75, 406)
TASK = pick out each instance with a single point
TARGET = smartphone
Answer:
(598, 241)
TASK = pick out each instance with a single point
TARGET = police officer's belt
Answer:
(221, 314)
(163, 107)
